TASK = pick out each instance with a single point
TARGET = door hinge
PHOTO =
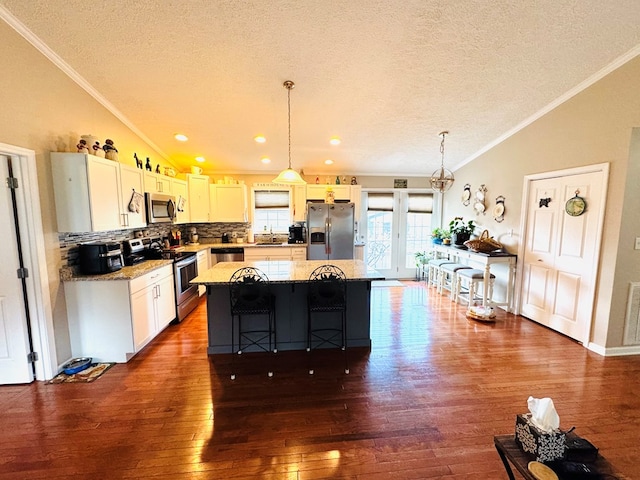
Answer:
(23, 272)
(32, 357)
(12, 182)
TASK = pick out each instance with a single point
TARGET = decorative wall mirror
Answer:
(466, 195)
(478, 204)
(498, 210)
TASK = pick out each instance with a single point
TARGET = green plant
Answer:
(440, 233)
(422, 258)
(457, 226)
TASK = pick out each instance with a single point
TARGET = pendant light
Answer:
(442, 179)
(289, 176)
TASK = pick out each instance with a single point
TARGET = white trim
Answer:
(528, 179)
(599, 75)
(39, 295)
(54, 58)
(614, 351)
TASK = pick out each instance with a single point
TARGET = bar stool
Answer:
(433, 273)
(250, 294)
(448, 277)
(471, 279)
(327, 294)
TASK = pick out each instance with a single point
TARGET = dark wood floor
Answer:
(425, 402)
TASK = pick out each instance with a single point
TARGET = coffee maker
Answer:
(297, 234)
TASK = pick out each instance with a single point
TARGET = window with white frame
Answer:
(271, 210)
(419, 213)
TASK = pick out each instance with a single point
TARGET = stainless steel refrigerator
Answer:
(330, 228)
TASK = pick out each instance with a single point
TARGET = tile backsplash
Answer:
(207, 232)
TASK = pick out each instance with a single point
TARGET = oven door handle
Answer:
(186, 261)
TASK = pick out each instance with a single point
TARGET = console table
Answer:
(510, 454)
(462, 255)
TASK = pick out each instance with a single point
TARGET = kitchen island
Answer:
(288, 280)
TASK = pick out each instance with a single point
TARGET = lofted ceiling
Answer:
(385, 77)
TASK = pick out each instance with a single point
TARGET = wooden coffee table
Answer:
(510, 454)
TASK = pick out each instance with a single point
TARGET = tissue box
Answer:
(547, 447)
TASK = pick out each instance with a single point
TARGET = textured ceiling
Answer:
(386, 77)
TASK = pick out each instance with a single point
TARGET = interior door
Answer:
(14, 339)
(561, 251)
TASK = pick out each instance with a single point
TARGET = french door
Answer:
(398, 225)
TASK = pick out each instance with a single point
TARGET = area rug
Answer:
(386, 283)
(86, 376)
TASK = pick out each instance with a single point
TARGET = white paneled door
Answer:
(14, 340)
(561, 252)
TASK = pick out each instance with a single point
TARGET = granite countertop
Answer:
(70, 274)
(287, 271)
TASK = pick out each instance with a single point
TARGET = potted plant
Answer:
(422, 258)
(437, 235)
(461, 231)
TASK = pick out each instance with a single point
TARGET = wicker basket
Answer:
(484, 244)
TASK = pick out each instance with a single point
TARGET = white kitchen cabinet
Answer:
(281, 252)
(112, 320)
(228, 203)
(299, 203)
(198, 197)
(156, 183)
(203, 266)
(89, 195)
(319, 192)
(180, 189)
(131, 180)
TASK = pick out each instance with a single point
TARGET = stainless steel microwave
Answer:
(161, 208)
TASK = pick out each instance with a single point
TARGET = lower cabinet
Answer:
(257, 254)
(203, 266)
(112, 320)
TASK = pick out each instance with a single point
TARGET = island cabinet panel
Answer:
(112, 320)
(228, 203)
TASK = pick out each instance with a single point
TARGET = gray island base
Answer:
(288, 281)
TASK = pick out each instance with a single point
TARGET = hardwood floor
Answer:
(425, 402)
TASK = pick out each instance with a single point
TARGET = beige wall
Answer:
(43, 110)
(593, 127)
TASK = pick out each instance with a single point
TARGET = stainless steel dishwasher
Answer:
(228, 254)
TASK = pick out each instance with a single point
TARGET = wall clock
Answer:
(575, 206)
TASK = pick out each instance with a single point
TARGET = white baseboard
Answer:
(614, 351)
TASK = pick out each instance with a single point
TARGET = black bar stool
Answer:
(250, 294)
(327, 294)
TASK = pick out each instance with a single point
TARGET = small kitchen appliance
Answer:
(100, 257)
(161, 208)
(225, 238)
(297, 234)
(193, 236)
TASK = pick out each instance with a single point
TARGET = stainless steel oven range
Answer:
(185, 269)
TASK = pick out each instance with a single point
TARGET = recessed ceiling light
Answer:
(328, 161)
(200, 159)
(181, 137)
(260, 138)
(265, 160)
(335, 141)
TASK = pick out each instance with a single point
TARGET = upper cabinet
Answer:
(180, 190)
(228, 203)
(198, 204)
(132, 185)
(299, 203)
(156, 183)
(91, 197)
(319, 192)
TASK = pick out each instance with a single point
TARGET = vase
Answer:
(436, 241)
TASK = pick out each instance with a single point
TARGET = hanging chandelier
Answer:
(442, 179)
(289, 176)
